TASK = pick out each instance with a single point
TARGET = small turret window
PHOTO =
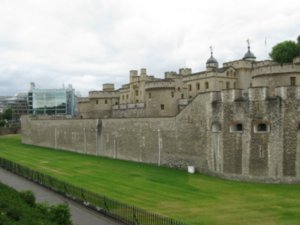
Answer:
(206, 85)
(237, 127)
(198, 86)
(227, 85)
(190, 87)
(261, 128)
(293, 81)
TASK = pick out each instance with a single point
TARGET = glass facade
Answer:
(51, 101)
(17, 103)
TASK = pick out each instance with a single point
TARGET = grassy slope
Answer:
(194, 199)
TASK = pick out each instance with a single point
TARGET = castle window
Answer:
(234, 74)
(96, 101)
(216, 127)
(172, 94)
(149, 95)
(162, 107)
(127, 96)
(198, 86)
(227, 73)
(136, 92)
(238, 127)
(261, 128)
(178, 89)
(105, 101)
(116, 103)
(206, 85)
(123, 97)
(293, 81)
(227, 85)
(182, 95)
(190, 87)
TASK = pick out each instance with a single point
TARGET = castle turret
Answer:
(211, 63)
(108, 87)
(185, 71)
(249, 55)
(133, 74)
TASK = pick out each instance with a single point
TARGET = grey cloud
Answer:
(90, 42)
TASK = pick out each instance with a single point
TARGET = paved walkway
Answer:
(80, 214)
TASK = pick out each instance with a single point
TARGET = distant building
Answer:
(51, 101)
(17, 103)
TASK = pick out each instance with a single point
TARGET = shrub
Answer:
(28, 197)
(60, 214)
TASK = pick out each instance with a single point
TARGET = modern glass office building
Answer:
(51, 101)
(17, 103)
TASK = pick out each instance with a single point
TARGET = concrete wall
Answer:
(203, 134)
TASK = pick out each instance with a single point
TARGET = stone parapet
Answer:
(160, 85)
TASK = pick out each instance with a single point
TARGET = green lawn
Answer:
(194, 199)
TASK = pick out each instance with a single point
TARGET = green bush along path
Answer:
(21, 208)
(191, 198)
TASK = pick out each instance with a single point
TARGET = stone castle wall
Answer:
(206, 134)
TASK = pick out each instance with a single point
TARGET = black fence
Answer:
(123, 212)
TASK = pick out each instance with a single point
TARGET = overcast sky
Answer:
(90, 42)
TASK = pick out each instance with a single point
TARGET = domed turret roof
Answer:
(249, 54)
(211, 60)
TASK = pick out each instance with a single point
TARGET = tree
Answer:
(298, 40)
(7, 114)
(285, 52)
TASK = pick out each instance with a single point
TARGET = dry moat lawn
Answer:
(194, 199)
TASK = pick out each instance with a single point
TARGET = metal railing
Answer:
(120, 211)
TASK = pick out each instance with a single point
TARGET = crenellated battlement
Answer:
(275, 69)
(160, 85)
(103, 94)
